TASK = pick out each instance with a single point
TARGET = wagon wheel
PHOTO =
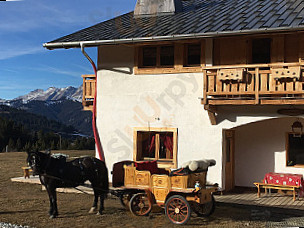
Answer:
(178, 209)
(140, 204)
(206, 209)
(125, 199)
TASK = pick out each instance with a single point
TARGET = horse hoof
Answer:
(92, 210)
(99, 213)
(52, 216)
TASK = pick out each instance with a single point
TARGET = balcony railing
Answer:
(275, 84)
(89, 85)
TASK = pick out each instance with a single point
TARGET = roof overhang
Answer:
(95, 43)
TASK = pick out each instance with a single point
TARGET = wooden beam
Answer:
(211, 113)
(283, 102)
(263, 65)
(172, 70)
(205, 87)
(231, 102)
(212, 117)
(230, 93)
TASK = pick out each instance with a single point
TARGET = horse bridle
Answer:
(35, 163)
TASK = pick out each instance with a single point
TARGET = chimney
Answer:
(157, 7)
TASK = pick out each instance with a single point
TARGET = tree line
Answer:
(15, 137)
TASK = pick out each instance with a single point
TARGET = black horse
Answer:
(57, 172)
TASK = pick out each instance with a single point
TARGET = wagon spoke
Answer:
(140, 210)
(182, 207)
(182, 214)
(172, 213)
(176, 217)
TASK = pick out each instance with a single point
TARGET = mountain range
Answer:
(60, 104)
(51, 94)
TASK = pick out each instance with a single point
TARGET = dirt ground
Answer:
(26, 204)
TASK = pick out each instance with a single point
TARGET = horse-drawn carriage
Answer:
(140, 186)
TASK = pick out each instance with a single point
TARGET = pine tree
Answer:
(19, 144)
(11, 145)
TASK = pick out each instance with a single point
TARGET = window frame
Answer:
(162, 163)
(186, 55)
(158, 57)
(179, 58)
(287, 143)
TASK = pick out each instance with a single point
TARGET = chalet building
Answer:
(181, 80)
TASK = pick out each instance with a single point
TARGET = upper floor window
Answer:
(160, 56)
(167, 56)
(149, 56)
(261, 50)
(192, 56)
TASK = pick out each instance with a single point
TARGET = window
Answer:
(161, 56)
(156, 144)
(149, 56)
(295, 150)
(261, 50)
(167, 56)
(192, 55)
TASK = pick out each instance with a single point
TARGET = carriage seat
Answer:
(150, 166)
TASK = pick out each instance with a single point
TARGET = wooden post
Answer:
(83, 90)
(301, 47)
(257, 82)
(178, 56)
(205, 87)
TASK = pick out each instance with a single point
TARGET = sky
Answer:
(25, 65)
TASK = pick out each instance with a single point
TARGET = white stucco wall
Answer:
(126, 101)
(260, 148)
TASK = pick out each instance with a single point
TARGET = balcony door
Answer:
(229, 143)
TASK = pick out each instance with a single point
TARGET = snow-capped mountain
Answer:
(60, 104)
(52, 94)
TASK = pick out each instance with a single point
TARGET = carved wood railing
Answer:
(275, 84)
(89, 85)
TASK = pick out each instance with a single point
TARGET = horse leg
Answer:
(101, 206)
(94, 206)
(53, 212)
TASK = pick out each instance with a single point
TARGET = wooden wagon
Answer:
(178, 194)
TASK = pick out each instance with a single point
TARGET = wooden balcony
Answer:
(264, 84)
(89, 85)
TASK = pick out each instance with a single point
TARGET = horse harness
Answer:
(82, 171)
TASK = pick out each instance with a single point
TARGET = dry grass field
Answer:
(26, 204)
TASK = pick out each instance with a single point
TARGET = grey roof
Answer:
(199, 18)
